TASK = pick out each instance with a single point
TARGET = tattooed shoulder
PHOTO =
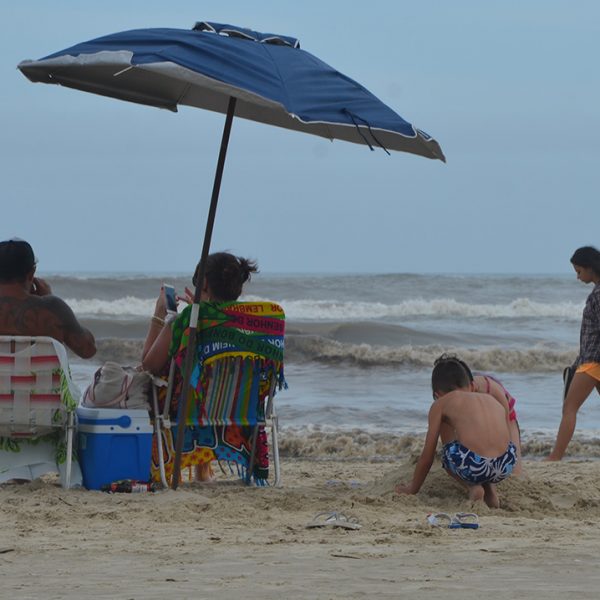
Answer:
(48, 315)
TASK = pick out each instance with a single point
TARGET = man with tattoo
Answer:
(27, 306)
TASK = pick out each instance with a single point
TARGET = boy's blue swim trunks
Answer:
(474, 469)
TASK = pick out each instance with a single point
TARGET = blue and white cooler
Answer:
(113, 444)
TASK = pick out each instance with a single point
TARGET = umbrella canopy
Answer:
(262, 77)
(272, 79)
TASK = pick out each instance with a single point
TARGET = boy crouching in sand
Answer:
(474, 429)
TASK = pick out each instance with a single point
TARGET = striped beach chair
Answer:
(238, 367)
(37, 410)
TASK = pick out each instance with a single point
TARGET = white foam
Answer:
(128, 306)
(333, 310)
(315, 310)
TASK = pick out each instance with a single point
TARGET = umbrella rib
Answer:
(287, 104)
(123, 70)
(331, 135)
(184, 93)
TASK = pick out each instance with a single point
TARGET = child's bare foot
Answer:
(551, 459)
(476, 493)
(490, 496)
(204, 473)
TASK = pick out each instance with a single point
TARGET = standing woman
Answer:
(586, 262)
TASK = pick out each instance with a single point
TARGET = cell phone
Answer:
(170, 298)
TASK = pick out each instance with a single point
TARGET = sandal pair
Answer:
(334, 519)
(460, 520)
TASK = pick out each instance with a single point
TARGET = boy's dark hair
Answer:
(453, 358)
(449, 374)
(16, 260)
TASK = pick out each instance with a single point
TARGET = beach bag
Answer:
(115, 386)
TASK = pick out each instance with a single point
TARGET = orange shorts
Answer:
(591, 369)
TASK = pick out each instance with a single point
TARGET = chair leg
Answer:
(272, 418)
(275, 449)
(158, 420)
(70, 428)
(252, 455)
(161, 456)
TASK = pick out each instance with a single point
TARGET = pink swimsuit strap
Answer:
(512, 415)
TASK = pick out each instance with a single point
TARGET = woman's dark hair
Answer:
(587, 257)
(226, 275)
(449, 373)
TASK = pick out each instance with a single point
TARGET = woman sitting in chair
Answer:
(223, 282)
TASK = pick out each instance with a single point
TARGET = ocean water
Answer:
(359, 348)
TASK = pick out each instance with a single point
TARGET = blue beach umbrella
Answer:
(257, 76)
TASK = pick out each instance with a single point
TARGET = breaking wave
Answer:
(128, 306)
(326, 310)
(441, 307)
(318, 349)
(307, 349)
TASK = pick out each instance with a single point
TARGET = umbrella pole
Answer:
(189, 355)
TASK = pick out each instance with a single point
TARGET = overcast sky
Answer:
(509, 89)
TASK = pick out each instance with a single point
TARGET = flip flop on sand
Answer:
(467, 520)
(457, 521)
(441, 520)
(334, 519)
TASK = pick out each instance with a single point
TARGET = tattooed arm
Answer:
(49, 316)
(79, 339)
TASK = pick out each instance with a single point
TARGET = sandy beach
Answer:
(383, 255)
(228, 541)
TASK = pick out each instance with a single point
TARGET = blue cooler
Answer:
(113, 444)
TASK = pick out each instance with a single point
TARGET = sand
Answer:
(224, 540)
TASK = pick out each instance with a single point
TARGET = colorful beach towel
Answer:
(239, 352)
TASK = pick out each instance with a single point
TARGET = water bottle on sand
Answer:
(129, 486)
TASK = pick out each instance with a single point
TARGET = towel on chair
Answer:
(238, 343)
